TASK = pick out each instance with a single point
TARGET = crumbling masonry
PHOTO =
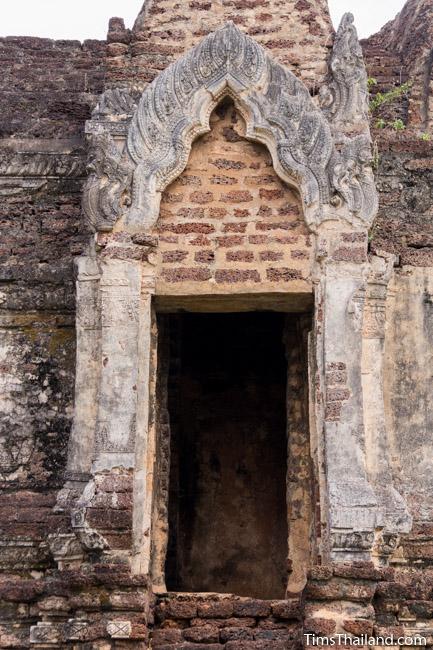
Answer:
(216, 331)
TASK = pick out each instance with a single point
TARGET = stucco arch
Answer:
(175, 109)
(130, 167)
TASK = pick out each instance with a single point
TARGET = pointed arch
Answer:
(175, 109)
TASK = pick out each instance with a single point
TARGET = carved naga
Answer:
(344, 99)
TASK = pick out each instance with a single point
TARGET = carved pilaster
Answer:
(116, 421)
(88, 328)
(353, 512)
(145, 444)
(394, 514)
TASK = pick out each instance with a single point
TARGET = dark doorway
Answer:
(227, 493)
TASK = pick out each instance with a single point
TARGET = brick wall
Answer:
(401, 52)
(229, 219)
(297, 33)
(48, 88)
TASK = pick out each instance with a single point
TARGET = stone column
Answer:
(396, 518)
(120, 288)
(88, 324)
(145, 442)
(352, 504)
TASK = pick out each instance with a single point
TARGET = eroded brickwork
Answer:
(401, 53)
(297, 32)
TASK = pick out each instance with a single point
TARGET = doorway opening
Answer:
(227, 497)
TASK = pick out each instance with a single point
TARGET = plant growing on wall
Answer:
(381, 99)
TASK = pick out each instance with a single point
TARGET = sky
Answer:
(83, 19)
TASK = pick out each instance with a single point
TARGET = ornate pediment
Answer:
(126, 179)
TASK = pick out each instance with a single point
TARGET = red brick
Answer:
(223, 180)
(319, 626)
(234, 227)
(181, 608)
(224, 622)
(186, 228)
(204, 634)
(229, 276)
(191, 213)
(252, 607)
(286, 609)
(217, 213)
(283, 274)
(172, 198)
(358, 627)
(166, 636)
(299, 255)
(174, 256)
(337, 394)
(204, 257)
(227, 242)
(357, 255)
(237, 196)
(186, 275)
(236, 634)
(271, 256)
(240, 256)
(271, 195)
(333, 411)
(223, 163)
(354, 237)
(216, 609)
(188, 179)
(282, 225)
(201, 197)
(258, 239)
(264, 211)
(200, 241)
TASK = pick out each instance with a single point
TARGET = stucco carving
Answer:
(352, 177)
(175, 109)
(108, 179)
(345, 98)
(116, 102)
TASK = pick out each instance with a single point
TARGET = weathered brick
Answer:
(240, 256)
(203, 634)
(229, 276)
(236, 196)
(204, 257)
(271, 256)
(216, 609)
(236, 634)
(283, 274)
(174, 256)
(230, 240)
(181, 608)
(186, 274)
(286, 609)
(252, 607)
(201, 197)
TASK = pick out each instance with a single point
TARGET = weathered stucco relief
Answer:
(175, 109)
(407, 366)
